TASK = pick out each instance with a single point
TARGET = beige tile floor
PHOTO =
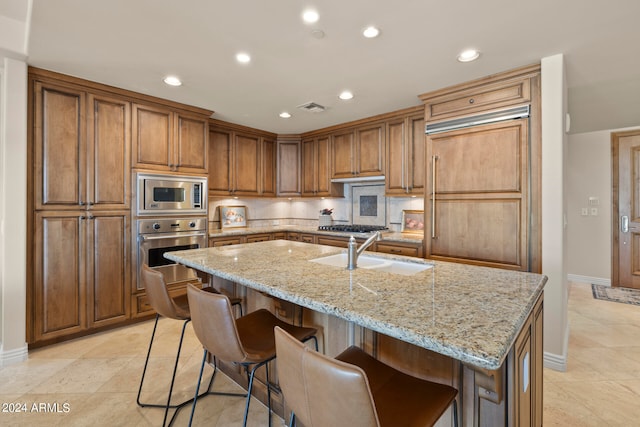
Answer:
(97, 377)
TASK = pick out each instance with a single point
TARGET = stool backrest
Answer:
(320, 390)
(158, 295)
(214, 324)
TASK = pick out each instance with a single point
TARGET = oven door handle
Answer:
(171, 236)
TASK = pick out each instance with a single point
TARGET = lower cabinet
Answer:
(82, 272)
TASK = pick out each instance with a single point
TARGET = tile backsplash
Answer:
(305, 211)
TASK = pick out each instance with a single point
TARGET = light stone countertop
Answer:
(472, 314)
(391, 236)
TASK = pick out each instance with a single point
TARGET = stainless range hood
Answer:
(360, 179)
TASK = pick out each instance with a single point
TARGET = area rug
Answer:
(623, 295)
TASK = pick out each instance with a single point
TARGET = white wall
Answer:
(554, 237)
(589, 237)
(13, 210)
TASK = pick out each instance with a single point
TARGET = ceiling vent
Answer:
(312, 107)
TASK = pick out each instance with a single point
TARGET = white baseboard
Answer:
(589, 280)
(555, 362)
(9, 357)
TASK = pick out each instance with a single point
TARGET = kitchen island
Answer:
(471, 317)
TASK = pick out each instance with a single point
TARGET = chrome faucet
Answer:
(353, 251)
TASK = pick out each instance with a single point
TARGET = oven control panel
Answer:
(171, 225)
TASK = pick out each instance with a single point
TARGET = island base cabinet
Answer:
(508, 396)
(511, 395)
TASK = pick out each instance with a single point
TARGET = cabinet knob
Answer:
(471, 101)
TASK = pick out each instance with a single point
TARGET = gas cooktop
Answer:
(352, 228)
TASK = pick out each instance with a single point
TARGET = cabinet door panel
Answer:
(289, 168)
(417, 143)
(309, 175)
(59, 285)
(370, 151)
(191, 144)
(219, 162)
(485, 159)
(342, 155)
(246, 164)
(60, 150)
(323, 168)
(487, 231)
(152, 131)
(395, 174)
(268, 168)
(109, 152)
(109, 260)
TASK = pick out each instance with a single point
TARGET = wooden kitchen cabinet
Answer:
(81, 148)
(301, 237)
(358, 152)
(289, 167)
(226, 241)
(166, 139)
(82, 272)
(242, 162)
(268, 166)
(405, 149)
(400, 248)
(262, 237)
(316, 169)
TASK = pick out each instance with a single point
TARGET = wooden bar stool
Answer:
(248, 341)
(171, 308)
(355, 389)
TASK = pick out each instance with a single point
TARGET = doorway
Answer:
(625, 148)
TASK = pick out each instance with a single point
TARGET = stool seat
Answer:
(248, 341)
(323, 391)
(176, 308)
(400, 399)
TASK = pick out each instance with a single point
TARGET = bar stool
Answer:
(171, 308)
(248, 341)
(355, 389)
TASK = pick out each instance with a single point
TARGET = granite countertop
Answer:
(470, 313)
(386, 235)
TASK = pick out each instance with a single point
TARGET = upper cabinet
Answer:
(168, 139)
(289, 166)
(316, 169)
(404, 174)
(241, 162)
(358, 152)
(81, 145)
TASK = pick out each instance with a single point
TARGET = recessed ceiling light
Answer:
(310, 16)
(468, 55)
(285, 115)
(243, 58)
(172, 81)
(371, 32)
(345, 95)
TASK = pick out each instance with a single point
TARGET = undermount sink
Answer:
(369, 262)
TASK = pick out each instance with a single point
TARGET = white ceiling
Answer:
(133, 44)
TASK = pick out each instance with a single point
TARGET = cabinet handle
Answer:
(81, 203)
(471, 100)
(433, 196)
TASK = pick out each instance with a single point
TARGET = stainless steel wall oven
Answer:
(155, 236)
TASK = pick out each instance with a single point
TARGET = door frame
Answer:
(615, 214)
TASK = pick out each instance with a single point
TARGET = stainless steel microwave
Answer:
(171, 194)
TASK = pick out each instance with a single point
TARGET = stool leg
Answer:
(195, 398)
(175, 369)
(266, 367)
(146, 362)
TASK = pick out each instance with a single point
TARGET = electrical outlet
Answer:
(594, 211)
(585, 211)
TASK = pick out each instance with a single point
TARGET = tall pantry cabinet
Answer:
(482, 201)
(81, 225)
